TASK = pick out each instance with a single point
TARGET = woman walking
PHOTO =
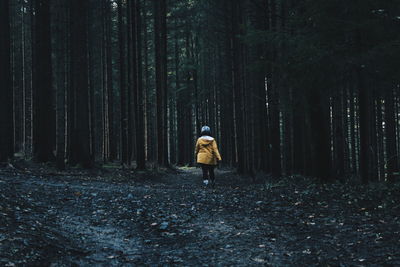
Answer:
(207, 154)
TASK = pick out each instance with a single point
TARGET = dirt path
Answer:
(69, 220)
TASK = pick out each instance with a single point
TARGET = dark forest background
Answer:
(288, 87)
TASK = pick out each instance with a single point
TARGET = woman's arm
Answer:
(197, 148)
(216, 152)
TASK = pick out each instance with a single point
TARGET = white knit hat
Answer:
(205, 129)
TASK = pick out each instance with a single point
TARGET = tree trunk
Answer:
(353, 131)
(274, 104)
(123, 91)
(365, 118)
(44, 139)
(237, 78)
(298, 136)
(80, 141)
(131, 81)
(391, 148)
(380, 140)
(6, 101)
(338, 136)
(139, 113)
(374, 138)
(318, 110)
(60, 78)
(148, 98)
(160, 32)
(112, 149)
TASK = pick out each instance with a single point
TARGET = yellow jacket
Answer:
(207, 151)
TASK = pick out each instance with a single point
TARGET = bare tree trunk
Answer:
(112, 144)
(146, 85)
(318, 112)
(123, 85)
(274, 104)
(160, 31)
(131, 82)
(380, 139)
(391, 147)
(44, 139)
(338, 136)
(6, 108)
(237, 78)
(374, 137)
(60, 78)
(80, 141)
(139, 113)
(353, 121)
(365, 118)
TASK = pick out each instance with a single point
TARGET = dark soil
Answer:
(111, 217)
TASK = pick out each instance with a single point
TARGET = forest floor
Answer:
(112, 217)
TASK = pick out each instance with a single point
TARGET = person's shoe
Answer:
(205, 182)
(213, 183)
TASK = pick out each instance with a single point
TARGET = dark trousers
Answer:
(208, 171)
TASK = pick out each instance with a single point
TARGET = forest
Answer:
(302, 96)
(288, 87)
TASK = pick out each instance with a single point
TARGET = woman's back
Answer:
(207, 150)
